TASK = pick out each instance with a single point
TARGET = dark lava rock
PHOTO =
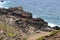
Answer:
(17, 17)
(56, 27)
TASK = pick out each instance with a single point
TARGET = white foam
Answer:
(2, 4)
(34, 16)
(51, 24)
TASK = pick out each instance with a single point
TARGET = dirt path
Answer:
(37, 35)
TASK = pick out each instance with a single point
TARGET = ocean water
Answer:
(49, 10)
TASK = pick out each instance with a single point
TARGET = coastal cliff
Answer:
(18, 19)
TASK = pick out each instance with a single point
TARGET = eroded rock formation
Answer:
(19, 18)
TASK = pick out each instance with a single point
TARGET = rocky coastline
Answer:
(17, 17)
(22, 20)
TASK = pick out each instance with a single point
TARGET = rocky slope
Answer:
(19, 18)
(18, 23)
(54, 37)
(10, 33)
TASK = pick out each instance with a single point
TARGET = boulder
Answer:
(56, 27)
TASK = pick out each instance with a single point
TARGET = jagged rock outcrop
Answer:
(56, 27)
(19, 18)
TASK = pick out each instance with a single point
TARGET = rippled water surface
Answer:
(46, 9)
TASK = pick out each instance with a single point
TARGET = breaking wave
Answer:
(49, 23)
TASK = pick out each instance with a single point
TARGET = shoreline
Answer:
(27, 18)
(49, 24)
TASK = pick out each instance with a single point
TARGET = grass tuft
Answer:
(8, 29)
(54, 32)
(41, 38)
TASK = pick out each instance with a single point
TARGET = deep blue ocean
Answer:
(49, 10)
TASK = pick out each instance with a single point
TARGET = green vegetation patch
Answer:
(41, 38)
(24, 38)
(54, 32)
(8, 29)
(11, 34)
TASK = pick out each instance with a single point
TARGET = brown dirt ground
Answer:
(55, 37)
(37, 35)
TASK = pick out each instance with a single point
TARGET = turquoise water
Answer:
(49, 10)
